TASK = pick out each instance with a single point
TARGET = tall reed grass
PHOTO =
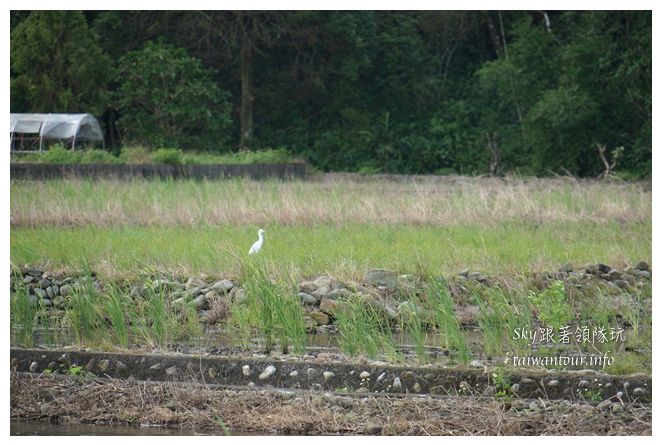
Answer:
(364, 329)
(337, 200)
(271, 308)
(22, 314)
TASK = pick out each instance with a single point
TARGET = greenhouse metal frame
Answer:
(32, 129)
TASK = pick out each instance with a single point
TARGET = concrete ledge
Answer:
(360, 378)
(36, 171)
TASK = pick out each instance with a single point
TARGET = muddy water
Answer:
(41, 428)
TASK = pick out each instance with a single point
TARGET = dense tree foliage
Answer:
(411, 92)
(169, 99)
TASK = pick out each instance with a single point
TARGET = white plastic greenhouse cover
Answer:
(57, 126)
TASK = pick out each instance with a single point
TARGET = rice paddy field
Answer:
(440, 284)
(340, 225)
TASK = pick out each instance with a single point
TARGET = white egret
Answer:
(257, 245)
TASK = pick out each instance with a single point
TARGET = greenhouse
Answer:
(30, 131)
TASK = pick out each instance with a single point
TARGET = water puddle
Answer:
(41, 428)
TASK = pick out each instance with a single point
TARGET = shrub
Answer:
(552, 304)
(58, 154)
(167, 156)
(95, 156)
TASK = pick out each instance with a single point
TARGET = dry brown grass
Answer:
(334, 199)
(270, 411)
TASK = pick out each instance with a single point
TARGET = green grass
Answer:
(363, 329)
(345, 251)
(440, 303)
(271, 307)
(140, 155)
(501, 314)
(22, 316)
(115, 307)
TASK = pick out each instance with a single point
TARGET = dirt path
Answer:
(190, 405)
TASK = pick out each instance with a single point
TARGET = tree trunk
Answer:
(495, 153)
(246, 109)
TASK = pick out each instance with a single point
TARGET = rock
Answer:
(193, 283)
(466, 315)
(47, 302)
(592, 269)
(268, 372)
(294, 374)
(643, 274)
(340, 293)
(40, 293)
(606, 405)
(211, 295)
(373, 428)
(34, 300)
(223, 285)
(436, 390)
(34, 366)
(28, 279)
(603, 268)
(194, 292)
(464, 273)
(321, 292)
(200, 302)
(320, 318)
(638, 391)
(553, 383)
(323, 281)
(583, 383)
(44, 283)
(397, 384)
(617, 408)
(171, 371)
(567, 268)
(37, 273)
(533, 406)
(514, 388)
(307, 287)
(417, 387)
(246, 370)
(364, 375)
(59, 301)
(381, 277)
(90, 365)
(172, 405)
(621, 283)
(614, 274)
(642, 266)
(329, 306)
(476, 364)
(307, 299)
(328, 375)
(103, 364)
(381, 377)
(237, 295)
(65, 290)
(50, 293)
